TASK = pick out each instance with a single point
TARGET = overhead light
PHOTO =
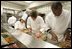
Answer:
(28, 1)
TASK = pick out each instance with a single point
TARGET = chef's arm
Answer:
(29, 25)
(69, 26)
(47, 28)
(43, 26)
(16, 25)
(9, 21)
(29, 28)
(68, 30)
(42, 30)
(67, 34)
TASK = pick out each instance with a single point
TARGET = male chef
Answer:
(57, 21)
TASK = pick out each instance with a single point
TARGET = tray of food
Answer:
(26, 31)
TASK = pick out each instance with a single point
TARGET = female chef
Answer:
(20, 25)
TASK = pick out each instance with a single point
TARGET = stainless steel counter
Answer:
(3, 41)
(27, 40)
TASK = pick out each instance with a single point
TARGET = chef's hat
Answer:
(24, 16)
(12, 16)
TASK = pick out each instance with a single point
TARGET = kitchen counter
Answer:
(3, 41)
(28, 40)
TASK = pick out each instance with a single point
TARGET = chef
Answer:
(57, 21)
(35, 23)
(11, 21)
(26, 13)
(20, 25)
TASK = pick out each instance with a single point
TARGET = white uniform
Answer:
(12, 20)
(58, 23)
(19, 25)
(36, 25)
(24, 16)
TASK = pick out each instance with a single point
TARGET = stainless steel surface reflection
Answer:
(29, 41)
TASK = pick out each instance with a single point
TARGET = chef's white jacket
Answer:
(58, 24)
(19, 25)
(24, 16)
(36, 25)
(12, 20)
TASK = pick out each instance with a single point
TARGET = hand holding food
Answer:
(38, 34)
(54, 36)
(30, 29)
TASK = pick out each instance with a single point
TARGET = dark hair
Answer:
(24, 10)
(56, 4)
(33, 14)
(20, 19)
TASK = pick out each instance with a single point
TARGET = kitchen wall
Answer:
(47, 8)
(11, 6)
(42, 7)
(67, 5)
(38, 3)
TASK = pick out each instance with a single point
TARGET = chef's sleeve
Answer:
(47, 23)
(42, 26)
(16, 25)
